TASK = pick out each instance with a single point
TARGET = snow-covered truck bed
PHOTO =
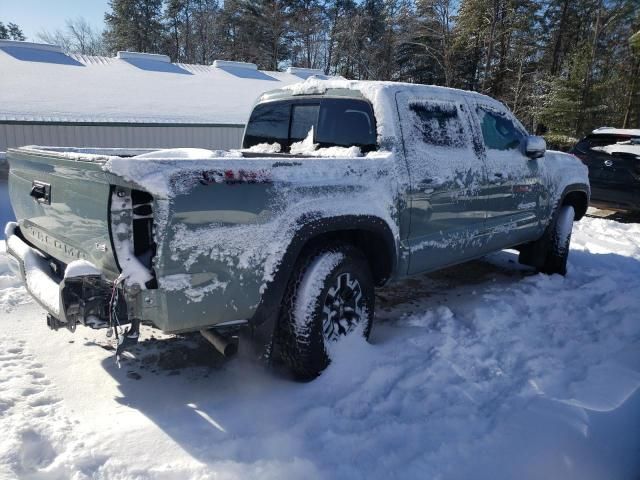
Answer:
(340, 187)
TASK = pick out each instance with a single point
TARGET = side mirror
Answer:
(534, 147)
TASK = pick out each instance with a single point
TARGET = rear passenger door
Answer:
(447, 211)
(513, 190)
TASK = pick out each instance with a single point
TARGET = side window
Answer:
(269, 123)
(498, 131)
(304, 117)
(346, 122)
(439, 124)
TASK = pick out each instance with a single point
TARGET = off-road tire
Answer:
(305, 324)
(558, 242)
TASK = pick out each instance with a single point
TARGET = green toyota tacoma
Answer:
(340, 187)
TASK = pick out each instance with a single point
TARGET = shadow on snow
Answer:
(239, 411)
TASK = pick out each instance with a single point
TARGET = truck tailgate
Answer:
(62, 206)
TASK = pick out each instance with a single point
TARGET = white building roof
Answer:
(40, 83)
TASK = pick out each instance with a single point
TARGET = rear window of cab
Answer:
(336, 122)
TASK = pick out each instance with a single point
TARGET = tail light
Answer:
(132, 233)
(144, 246)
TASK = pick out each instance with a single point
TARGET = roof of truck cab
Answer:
(367, 88)
(40, 83)
(380, 94)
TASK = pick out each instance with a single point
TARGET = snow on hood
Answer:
(634, 132)
(622, 147)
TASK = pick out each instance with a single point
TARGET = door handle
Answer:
(41, 192)
(425, 185)
(429, 182)
(37, 191)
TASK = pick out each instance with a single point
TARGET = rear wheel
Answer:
(559, 240)
(330, 296)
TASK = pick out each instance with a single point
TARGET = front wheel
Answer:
(560, 238)
(330, 296)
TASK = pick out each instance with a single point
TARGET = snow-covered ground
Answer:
(484, 370)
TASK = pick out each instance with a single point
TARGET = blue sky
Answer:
(36, 15)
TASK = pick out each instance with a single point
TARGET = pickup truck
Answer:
(340, 187)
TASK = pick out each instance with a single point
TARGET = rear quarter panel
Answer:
(222, 227)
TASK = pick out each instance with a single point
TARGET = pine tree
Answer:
(309, 30)
(431, 42)
(135, 25)
(566, 63)
(11, 32)
(206, 15)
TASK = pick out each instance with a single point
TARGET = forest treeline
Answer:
(567, 65)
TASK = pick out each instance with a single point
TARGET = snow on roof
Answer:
(304, 73)
(41, 83)
(634, 132)
(319, 84)
(380, 94)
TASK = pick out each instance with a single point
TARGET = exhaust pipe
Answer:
(224, 346)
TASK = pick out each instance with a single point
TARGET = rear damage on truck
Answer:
(75, 229)
(107, 241)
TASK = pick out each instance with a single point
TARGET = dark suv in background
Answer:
(613, 158)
